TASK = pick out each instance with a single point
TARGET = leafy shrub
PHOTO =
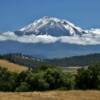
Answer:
(89, 78)
(23, 87)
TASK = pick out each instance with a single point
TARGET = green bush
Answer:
(58, 79)
(23, 87)
(7, 80)
(36, 81)
(89, 78)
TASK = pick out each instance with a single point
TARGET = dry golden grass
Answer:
(11, 66)
(52, 95)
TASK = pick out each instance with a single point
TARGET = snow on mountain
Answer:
(44, 25)
(94, 31)
(51, 30)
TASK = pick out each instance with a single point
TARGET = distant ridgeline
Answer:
(30, 61)
(21, 59)
(83, 60)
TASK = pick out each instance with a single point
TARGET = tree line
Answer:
(83, 60)
(49, 78)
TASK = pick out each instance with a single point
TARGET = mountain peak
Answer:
(53, 26)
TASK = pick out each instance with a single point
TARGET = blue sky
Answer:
(14, 14)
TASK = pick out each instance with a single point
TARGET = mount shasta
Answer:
(50, 37)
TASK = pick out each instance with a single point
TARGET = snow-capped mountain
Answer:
(51, 30)
(52, 26)
(51, 37)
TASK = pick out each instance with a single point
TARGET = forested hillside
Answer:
(32, 62)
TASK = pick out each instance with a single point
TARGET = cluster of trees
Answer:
(88, 78)
(38, 79)
(49, 78)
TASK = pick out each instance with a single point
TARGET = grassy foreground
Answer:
(52, 95)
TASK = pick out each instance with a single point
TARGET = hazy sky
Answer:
(14, 14)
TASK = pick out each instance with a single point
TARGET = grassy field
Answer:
(19, 68)
(11, 66)
(52, 95)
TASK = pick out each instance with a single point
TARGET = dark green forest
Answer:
(50, 78)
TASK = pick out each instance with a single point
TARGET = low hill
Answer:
(11, 66)
(21, 59)
(75, 61)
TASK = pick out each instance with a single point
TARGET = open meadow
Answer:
(12, 67)
(52, 95)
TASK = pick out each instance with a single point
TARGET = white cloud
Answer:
(27, 38)
(84, 40)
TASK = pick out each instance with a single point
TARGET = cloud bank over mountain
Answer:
(42, 31)
(84, 40)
